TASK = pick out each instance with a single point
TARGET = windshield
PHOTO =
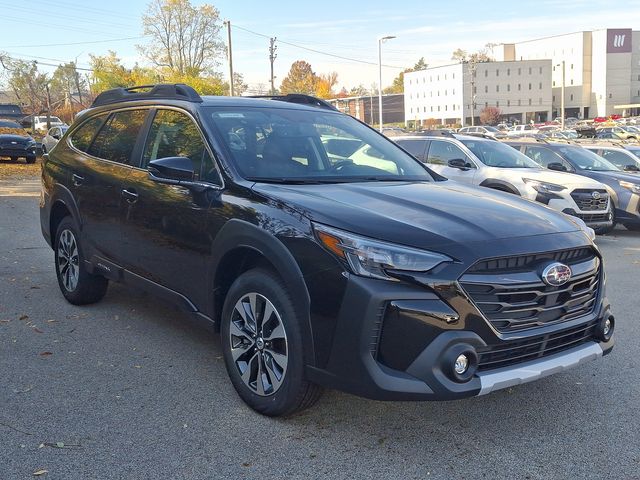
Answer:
(635, 151)
(491, 129)
(302, 146)
(496, 154)
(584, 159)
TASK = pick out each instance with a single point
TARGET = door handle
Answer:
(130, 195)
(77, 180)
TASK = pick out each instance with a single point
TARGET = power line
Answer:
(318, 51)
(76, 43)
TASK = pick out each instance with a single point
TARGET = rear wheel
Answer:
(78, 286)
(262, 345)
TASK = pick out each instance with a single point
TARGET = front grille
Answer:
(593, 217)
(586, 202)
(521, 263)
(518, 351)
(514, 299)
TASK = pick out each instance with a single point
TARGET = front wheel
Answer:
(262, 345)
(78, 286)
(31, 160)
(609, 229)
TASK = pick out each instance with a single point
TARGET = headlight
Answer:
(543, 187)
(634, 187)
(372, 258)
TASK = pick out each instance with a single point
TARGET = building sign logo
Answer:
(619, 40)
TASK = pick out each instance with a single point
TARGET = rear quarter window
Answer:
(81, 139)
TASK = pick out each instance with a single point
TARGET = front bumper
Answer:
(394, 341)
(18, 151)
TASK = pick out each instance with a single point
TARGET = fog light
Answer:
(607, 327)
(461, 365)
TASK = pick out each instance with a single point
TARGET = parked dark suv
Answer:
(325, 254)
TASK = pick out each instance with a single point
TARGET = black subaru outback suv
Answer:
(326, 255)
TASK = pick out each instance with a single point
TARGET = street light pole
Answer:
(380, 40)
(562, 99)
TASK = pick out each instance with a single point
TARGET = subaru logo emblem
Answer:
(595, 195)
(556, 274)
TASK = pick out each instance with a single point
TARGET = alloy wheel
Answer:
(258, 342)
(68, 260)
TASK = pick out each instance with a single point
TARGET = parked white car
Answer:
(492, 164)
(522, 130)
(52, 137)
(40, 122)
(487, 131)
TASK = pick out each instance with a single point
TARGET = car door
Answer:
(441, 152)
(164, 226)
(95, 171)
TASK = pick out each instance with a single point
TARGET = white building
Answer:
(602, 69)
(451, 94)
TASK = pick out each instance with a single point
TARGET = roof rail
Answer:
(165, 91)
(435, 133)
(300, 99)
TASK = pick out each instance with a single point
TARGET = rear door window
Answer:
(117, 138)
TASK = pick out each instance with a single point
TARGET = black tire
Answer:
(77, 285)
(14, 159)
(31, 160)
(605, 230)
(294, 392)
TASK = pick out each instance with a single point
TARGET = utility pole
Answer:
(472, 72)
(231, 89)
(77, 77)
(48, 106)
(272, 58)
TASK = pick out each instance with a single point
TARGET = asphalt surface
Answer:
(130, 388)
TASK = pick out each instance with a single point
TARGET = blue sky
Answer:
(430, 29)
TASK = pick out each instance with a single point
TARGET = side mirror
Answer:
(557, 166)
(631, 168)
(458, 163)
(171, 170)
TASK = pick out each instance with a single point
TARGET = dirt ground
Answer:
(20, 169)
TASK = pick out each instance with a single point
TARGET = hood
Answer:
(560, 178)
(612, 177)
(421, 214)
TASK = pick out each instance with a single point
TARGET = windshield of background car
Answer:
(584, 159)
(496, 154)
(492, 129)
(635, 151)
(282, 144)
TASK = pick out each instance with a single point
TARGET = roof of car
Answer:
(215, 101)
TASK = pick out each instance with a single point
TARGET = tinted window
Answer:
(117, 138)
(174, 134)
(284, 145)
(584, 159)
(81, 138)
(543, 156)
(619, 159)
(496, 154)
(414, 147)
(441, 152)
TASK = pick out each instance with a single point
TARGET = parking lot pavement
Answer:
(129, 388)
